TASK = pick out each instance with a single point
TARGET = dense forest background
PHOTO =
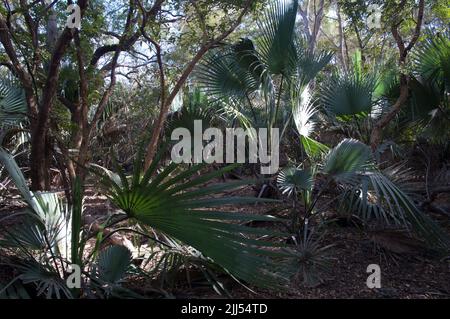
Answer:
(92, 206)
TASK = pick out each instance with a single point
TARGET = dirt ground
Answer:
(413, 274)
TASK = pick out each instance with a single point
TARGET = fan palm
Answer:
(432, 59)
(13, 107)
(50, 238)
(354, 95)
(349, 94)
(365, 190)
(261, 74)
(13, 110)
(178, 205)
(195, 107)
(429, 103)
(304, 115)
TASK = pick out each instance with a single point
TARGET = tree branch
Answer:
(151, 149)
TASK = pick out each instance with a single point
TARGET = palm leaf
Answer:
(16, 174)
(313, 148)
(347, 159)
(13, 106)
(13, 290)
(277, 41)
(432, 59)
(291, 180)
(248, 59)
(371, 194)
(173, 204)
(403, 209)
(309, 65)
(46, 279)
(348, 94)
(113, 264)
(223, 77)
(303, 112)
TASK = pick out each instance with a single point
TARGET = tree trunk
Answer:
(342, 47)
(376, 136)
(38, 161)
(165, 105)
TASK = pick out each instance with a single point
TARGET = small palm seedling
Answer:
(314, 259)
(297, 184)
(365, 190)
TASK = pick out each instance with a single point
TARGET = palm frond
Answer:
(371, 194)
(113, 264)
(313, 148)
(16, 174)
(13, 106)
(292, 180)
(277, 41)
(309, 65)
(432, 59)
(223, 77)
(248, 59)
(313, 259)
(303, 113)
(13, 290)
(175, 205)
(347, 159)
(29, 236)
(47, 281)
(348, 94)
(403, 209)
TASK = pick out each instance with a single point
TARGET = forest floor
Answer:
(410, 274)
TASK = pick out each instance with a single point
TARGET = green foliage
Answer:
(432, 60)
(13, 107)
(113, 264)
(13, 290)
(349, 94)
(365, 190)
(266, 78)
(347, 158)
(50, 238)
(277, 42)
(426, 113)
(195, 107)
(16, 175)
(293, 180)
(224, 78)
(174, 203)
(257, 78)
(313, 259)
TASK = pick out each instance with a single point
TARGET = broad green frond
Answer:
(345, 160)
(349, 94)
(292, 180)
(223, 78)
(113, 264)
(13, 106)
(432, 59)
(176, 207)
(277, 41)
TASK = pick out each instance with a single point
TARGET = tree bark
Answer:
(165, 105)
(41, 146)
(377, 131)
(39, 140)
(342, 47)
